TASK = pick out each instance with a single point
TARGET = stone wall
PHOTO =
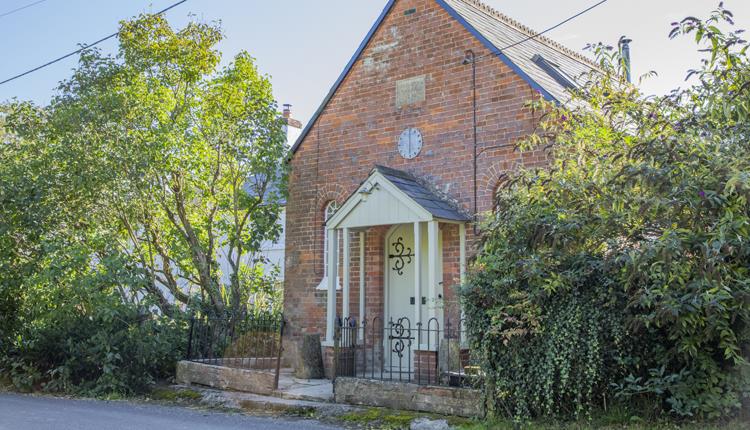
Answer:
(225, 378)
(398, 395)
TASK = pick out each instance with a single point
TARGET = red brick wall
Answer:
(360, 127)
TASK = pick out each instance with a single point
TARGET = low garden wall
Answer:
(226, 378)
(462, 402)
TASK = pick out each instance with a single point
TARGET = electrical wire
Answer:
(78, 51)
(534, 36)
(18, 9)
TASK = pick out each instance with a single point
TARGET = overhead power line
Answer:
(78, 51)
(559, 24)
(18, 9)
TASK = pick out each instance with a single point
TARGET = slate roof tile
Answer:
(430, 201)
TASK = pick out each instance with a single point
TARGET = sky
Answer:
(303, 45)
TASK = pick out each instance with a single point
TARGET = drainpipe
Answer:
(625, 55)
(471, 59)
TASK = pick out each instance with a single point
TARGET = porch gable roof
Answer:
(390, 196)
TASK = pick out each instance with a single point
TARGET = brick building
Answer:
(404, 154)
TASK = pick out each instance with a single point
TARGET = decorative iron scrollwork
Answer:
(400, 336)
(403, 255)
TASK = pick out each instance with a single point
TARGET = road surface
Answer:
(19, 412)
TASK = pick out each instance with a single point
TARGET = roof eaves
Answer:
(341, 77)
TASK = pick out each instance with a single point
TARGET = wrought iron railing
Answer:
(427, 354)
(253, 342)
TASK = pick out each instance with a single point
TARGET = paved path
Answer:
(47, 413)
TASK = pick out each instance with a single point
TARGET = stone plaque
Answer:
(410, 91)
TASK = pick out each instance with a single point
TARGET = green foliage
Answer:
(620, 273)
(78, 335)
(118, 199)
(177, 162)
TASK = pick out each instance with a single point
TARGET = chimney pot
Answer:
(625, 54)
(287, 113)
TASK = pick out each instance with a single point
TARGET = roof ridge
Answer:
(529, 32)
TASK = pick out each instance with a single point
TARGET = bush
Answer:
(76, 333)
(109, 350)
(621, 272)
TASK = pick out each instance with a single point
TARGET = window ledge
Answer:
(323, 286)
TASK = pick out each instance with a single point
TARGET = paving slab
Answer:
(320, 390)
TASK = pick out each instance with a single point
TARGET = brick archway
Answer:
(328, 193)
(491, 178)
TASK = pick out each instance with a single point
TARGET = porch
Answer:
(405, 247)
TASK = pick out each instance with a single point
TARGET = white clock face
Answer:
(410, 143)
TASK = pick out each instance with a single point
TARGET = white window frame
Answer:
(328, 212)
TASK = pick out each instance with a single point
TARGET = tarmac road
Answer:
(21, 412)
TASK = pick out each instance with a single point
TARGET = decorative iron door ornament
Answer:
(403, 255)
(400, 336)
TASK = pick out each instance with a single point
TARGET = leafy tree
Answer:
(183, 160)
(118, 199)
(620, 273)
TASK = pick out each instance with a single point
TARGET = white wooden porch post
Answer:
(333, 247)
(462, 271)
(362, 274)
(462, 252)
(417, 276)
(347, 270)
(432, 262)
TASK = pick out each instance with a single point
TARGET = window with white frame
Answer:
(328, 212)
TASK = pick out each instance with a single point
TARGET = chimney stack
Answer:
(292, 127)
(625, 55)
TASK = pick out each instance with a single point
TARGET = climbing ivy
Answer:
(620, 273)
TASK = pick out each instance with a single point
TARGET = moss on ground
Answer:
(169, 394)
(389, 419)
(602, 425)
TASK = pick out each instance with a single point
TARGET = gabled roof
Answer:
(389, 196)
(496, 31)
(411, 186)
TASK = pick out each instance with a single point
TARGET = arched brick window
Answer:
(328, 211)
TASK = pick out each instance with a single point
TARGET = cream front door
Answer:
(401, 300)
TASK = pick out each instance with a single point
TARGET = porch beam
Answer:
(433, 276)
(347, 272)
(333, 247)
